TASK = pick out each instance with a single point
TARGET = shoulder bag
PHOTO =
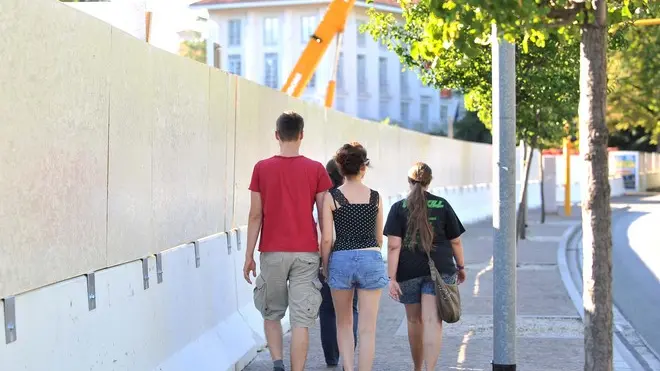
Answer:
(447, 296)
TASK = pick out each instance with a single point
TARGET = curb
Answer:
(619, 341)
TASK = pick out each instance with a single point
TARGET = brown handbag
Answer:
(447, 296)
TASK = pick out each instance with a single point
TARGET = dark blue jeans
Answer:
(329, 324)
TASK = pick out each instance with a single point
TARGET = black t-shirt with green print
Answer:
(413, 262)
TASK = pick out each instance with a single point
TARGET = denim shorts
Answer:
(362, 269)
(412, 290)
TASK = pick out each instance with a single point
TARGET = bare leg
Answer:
(299, 345)
(273, 330)
(368, 303)
(432, 331)
(415, 334)
(343, 301)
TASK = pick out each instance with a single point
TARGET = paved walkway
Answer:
(549, 328)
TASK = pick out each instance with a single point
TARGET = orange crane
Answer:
(331, 25)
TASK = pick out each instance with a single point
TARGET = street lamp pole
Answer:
(504, 204)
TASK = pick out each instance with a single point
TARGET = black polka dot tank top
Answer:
(355, 224)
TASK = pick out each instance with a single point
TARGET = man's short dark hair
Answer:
(289, 126)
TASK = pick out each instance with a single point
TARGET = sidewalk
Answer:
(549, 327)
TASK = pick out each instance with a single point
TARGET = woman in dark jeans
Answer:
(327, 310)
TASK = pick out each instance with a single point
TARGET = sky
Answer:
(168, 18)
(176, 11)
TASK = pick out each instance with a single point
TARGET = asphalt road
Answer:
(636, 267)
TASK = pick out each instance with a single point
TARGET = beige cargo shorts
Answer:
(289, 279)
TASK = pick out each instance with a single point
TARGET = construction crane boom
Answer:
(331, 26)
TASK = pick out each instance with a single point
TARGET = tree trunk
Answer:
(542, 174)
(520, 218)
(596, 211)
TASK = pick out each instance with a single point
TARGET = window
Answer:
(383, 45)
(362, 73)
(405, 113)
(383, 109)
(340, 104)
(382, 74)
(234, 64)
(443, 115)
(340, 72)
(403, 84)
(424, 112)
(361, 38)
(271, 77)
(234, 32)
(308, 26)
(363, 109)
(312, 81)
(271, 31)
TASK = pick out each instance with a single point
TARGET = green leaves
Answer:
(547, 66)
(634, 81)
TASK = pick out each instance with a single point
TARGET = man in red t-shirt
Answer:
(284, 190)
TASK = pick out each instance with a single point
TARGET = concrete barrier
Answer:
(649, 180)
(616, 189)
(192, 310)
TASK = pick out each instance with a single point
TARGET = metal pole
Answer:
(504, 204)
(147, 25)
(567, 175)
(332, 84)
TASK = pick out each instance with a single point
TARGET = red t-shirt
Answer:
(288, 186)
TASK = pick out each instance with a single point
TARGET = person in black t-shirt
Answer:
(422, 222)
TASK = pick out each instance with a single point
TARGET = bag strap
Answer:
(431, 262)
(435, 274)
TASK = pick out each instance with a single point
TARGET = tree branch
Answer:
(567, 15)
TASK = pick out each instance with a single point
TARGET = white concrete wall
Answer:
(649, 169)
(114, 149)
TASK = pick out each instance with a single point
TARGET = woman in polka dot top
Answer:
(355, 212)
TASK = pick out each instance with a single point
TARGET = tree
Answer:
(464, 26)
(634, 99)
(470, 128)
(545, 90)
(194, 49)
(634, 138)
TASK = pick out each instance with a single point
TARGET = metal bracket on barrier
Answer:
(238, 239)
(228, 242)
(198, 260)
(159, 268)
(91, 291)
(145, 272)
(10, 319)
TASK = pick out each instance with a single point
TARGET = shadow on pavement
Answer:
(635, 285)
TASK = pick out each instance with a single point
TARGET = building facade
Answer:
(262, 41)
